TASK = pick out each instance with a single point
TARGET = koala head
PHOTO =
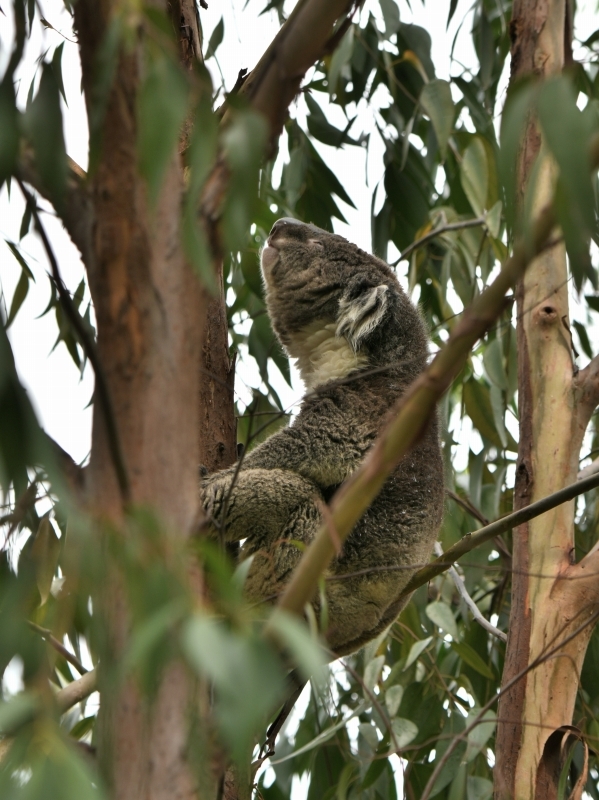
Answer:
(334, 307)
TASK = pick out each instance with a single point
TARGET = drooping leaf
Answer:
(43, 123)
(437, 102)
(162, 104)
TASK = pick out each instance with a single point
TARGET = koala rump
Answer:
(359, 342)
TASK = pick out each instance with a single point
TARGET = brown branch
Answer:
(452, 226)
(473, 540)
(77, 214)
(76, 691)
(72, 472)
(89, 347)
(59, 647)
(275, 81)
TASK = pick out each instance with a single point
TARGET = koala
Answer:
(359, 343)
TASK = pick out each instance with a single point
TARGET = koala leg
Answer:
(257, 505)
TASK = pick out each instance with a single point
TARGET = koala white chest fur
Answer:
(322, 355)
(359, 342)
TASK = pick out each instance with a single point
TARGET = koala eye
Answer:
(316, 243)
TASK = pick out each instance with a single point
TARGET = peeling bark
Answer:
(554, 410)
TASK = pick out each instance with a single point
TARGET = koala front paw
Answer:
(215, 492)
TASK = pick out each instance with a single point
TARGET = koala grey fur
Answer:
(343, 315)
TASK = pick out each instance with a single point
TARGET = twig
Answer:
(452, 226)
(477, 720)
(472, 540)
(467, 506)
(59, 647)
(90, 350)
(76, 691)
(474, 609)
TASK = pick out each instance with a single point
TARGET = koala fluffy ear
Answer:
(361, 309)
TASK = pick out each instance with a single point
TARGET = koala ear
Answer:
(361, 309)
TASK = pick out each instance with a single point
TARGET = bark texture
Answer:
(149, 321)
(547, 605)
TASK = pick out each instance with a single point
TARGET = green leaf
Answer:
(340, 59)
(471, 657)
(583, 338)
(43, 123)
(162, 104)
(372, 673)
(437, 103)
(57, 68)
(248, 678)
(216, 38)
(493, 219)
(441, 614)
(45, 551)
(19, 296)
(390, 11)
(493, 361)
(244, 143)
(294, 635)
(480, 734)
(474, 175)
(393, 697)
(9, 129)
(405, 731)
(416, 650)
(479, 788)
(16, 712)
(567, 135)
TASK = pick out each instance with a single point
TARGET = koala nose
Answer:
(286, 226)
(290, 228)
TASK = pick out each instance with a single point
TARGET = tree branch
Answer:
(72, 472)
(77, 215)
(474, 609)
(59, 647)
(76, 691)
(274, 82)
(453, 226)
(89, 346)
(473, 540)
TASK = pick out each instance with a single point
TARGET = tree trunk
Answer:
(149, 313)
(555, 404)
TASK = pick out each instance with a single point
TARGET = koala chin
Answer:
(359, 343)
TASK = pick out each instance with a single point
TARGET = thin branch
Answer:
(76, 691)
(472, 540)
(76, 213)
(474, 609)
(72, 472)
(452, 226)
(590, 469)
(467, 506)
(89, 347)
(59, 647)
